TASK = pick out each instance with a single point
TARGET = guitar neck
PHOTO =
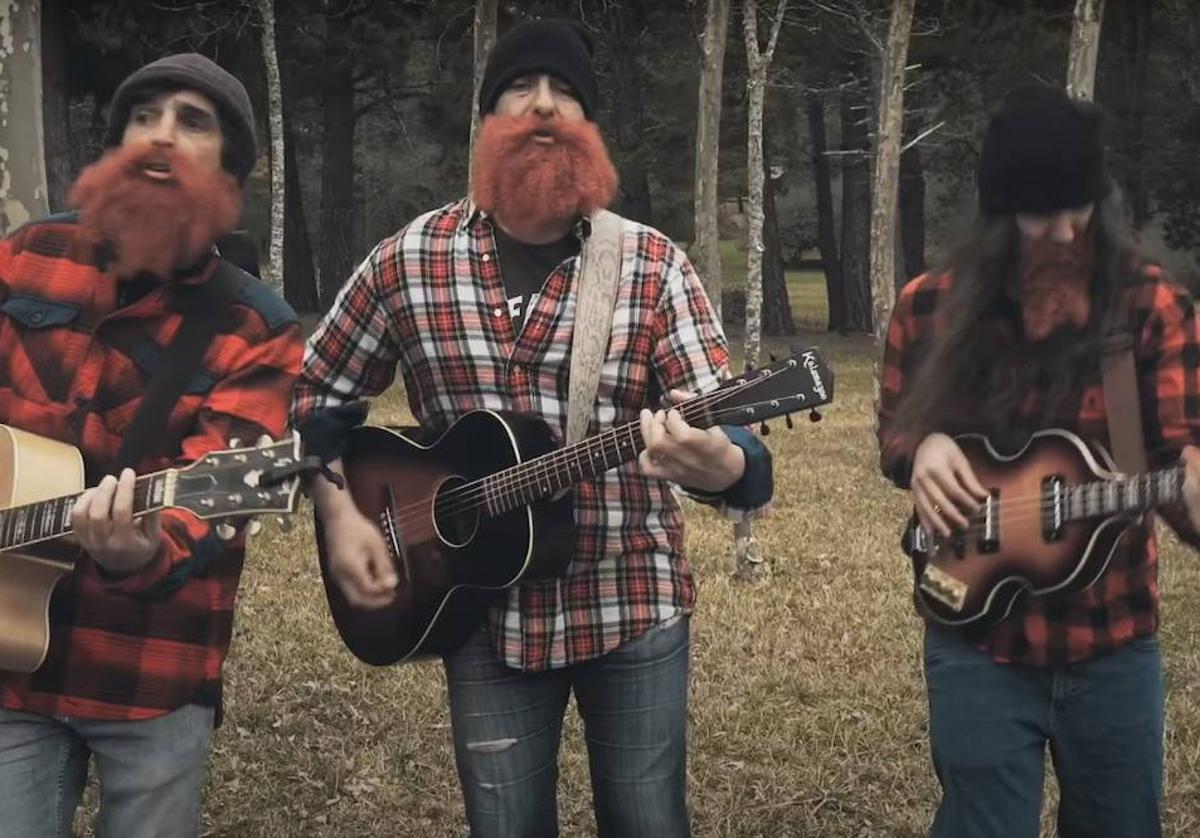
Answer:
(21, 526)
(551, 473)
(1137, 493)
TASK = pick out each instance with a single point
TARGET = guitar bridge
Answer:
(943, 587)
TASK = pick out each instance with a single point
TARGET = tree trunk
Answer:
(912, 213)
(856, 210)
(623, 23)
(889, 133)
(485, 38)
(337, 161)
(706, 237)
(22, 160)
(827, 243)
(1085, 46)
(266, 11)
(777, 306)
(1121, 87)
(299, 278)
(757, 62)
(56, 120)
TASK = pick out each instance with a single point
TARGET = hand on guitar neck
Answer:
(103, 525)
(699, 458)
(357, 556)
(944, 488)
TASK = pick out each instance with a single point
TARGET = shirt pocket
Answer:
(39, 312)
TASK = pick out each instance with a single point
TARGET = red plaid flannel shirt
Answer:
(1123, 604)
(73, 367)
(432, 300)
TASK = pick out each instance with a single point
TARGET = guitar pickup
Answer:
(944, 588)
(1053, 500)
(989, 539)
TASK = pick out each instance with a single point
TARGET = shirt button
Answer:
(498, 312)
(487, 257)
(37, 317)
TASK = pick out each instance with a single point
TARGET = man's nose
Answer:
(164, 129)
(1061, 231)
(543, 99)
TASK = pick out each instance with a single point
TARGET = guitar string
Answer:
(511, 481)
(467, 496)
(1027, 513)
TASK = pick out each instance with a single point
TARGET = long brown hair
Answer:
(975, 374)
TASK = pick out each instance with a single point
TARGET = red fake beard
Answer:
(530, 183)
(1055, 285)
(154, 226)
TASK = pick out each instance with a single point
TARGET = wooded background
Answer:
(375, 113)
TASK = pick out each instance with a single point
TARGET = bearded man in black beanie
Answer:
(90, 305)
(1006, 341)
(475, 303)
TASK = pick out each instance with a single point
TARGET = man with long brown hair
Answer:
(475, 301)
(1005, 342)
(90, 304)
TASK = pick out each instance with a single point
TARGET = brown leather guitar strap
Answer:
(1122, 407)
(596, 283)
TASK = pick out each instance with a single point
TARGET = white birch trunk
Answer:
(890, 126)
(1085, 48)
(749, 559)
(22, 155)
(706, 252)
(274, 267)
(485, 38)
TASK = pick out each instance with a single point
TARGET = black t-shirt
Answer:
(525, 268)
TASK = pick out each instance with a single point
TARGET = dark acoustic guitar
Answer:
(488, 504)
(1052, 519)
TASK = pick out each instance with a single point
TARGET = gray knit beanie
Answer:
(192, 71)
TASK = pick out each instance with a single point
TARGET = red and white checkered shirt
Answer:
(431, 300)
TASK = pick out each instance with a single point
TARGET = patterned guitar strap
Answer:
(599, 275)
(1122, 407)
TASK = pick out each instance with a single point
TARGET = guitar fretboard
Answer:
(1127, 494)
(30, 523)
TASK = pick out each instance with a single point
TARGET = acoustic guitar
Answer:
(1054, 514)
(40, 480)
(488, 504)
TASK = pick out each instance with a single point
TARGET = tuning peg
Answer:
(265, 440)
(787, 420)
(235, 442)
(814, 416)
(285, 523)
(253, 526)
(763, 429)
(225, 531)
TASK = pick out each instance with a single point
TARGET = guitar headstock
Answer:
(802, 381)
(243, 480)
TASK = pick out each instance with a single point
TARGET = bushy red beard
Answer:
(154, 226)
(1055, 285)
(529, 184)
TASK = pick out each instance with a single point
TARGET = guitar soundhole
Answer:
(456, 513)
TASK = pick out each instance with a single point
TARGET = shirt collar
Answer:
(472, 214)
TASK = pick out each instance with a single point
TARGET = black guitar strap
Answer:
(1122, 407)
(204, 307)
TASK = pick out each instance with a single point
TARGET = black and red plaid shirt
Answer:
(431, 300)
(1123, 604)
(74, 362)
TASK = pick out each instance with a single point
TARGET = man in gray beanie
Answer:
(94, 307)
(488, 320)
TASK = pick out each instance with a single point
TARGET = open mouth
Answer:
(543, 136)
(157, 170)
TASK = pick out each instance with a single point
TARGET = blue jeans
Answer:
(151, 773)
(507, 725)
(990, 723)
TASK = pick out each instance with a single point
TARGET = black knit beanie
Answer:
(1042, 153)
(561, 48)
(193, 72)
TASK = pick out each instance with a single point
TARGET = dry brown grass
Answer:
(807, 707)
